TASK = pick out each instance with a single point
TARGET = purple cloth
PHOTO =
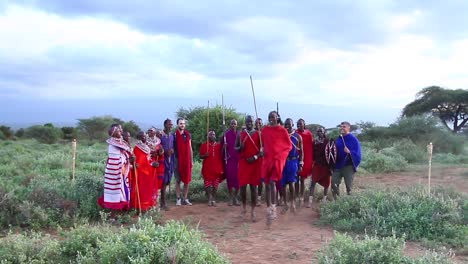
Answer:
(232, 161)
(167, 141)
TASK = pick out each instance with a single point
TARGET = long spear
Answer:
(207, 126)
(224, 129)
(256, 113)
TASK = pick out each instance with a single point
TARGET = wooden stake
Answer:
(73, 159)
(429, 150)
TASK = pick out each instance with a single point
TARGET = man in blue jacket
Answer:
(347, 161)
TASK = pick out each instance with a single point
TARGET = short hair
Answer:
(168, 120)
(346, 123)
(300, 119)
(140, 134)
(178, 119)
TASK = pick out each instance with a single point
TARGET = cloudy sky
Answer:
(325, 61)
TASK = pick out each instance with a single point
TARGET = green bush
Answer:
(145, 242)
(418, 129)
(86, 190)
(343, 249)
(449, 158)
(383, 161)
(408, 212)
(411, 152)
(44, 134)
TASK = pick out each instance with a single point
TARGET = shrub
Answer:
(145, 242)
(411, 152)
(44, 134)
(404, 212)
(384, 161)
(86, 190)
(344, 249)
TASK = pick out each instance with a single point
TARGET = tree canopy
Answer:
(450, 106)
(197, 118)
(95, 128)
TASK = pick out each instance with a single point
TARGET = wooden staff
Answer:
(207, 126)
(256, 113)
(137, 188)
(73, 159)
(429, 150)
(224, 130)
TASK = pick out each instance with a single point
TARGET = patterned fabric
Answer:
(116, 181)
(331, 153)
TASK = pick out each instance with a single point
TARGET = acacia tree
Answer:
(197, 122)
(450, 106)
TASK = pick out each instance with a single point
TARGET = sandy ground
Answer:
(296, 238)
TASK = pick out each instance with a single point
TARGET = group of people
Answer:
(136, 177)
(275, 155)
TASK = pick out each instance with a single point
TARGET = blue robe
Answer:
(292, 162)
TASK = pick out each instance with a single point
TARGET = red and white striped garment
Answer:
(116, 182)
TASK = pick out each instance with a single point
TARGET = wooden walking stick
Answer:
(256, 113)
(207, 125)
(429, 150)
(73, 159)
(224, 131)
(137, 188)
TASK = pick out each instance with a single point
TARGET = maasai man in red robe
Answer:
(212, 167)
(248, 145)
(183, 161)
(322, 171)
(308, 154)
(276, 147)
(116, 184)
(144, 184)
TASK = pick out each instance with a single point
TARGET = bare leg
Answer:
(283, 198)
(253, 202)
(231, 199)
(292, 198)
(302, 188)
(178, 191)
(208, 194)
(163, 197)
(243, 193)
(186, 189)
(236, 194)
(325, 194)
(311, 193)
(259, 198)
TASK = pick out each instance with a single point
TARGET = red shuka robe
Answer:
(184, 158)
(212, 167)
(308, 144)
(249, 173)
(144, 182)
(276, 146)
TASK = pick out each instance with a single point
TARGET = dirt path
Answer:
(294, 238)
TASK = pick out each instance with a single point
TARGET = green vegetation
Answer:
(145, 242)
(409, 213)
(346, 250)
